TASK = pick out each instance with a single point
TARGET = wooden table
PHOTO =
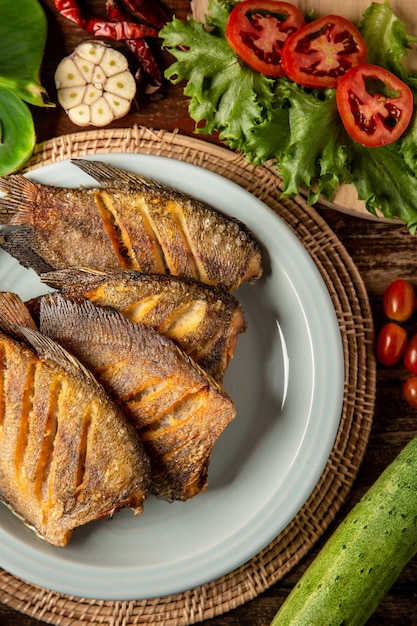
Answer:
(382, 252)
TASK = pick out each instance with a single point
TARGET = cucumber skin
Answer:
(362, 559)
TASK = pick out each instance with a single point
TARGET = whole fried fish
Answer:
(130, 222)
(178, 410)
(67, 453)
(204, 321)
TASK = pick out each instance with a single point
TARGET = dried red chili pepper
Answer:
(148, 11)
(118, 31)
(141, 50)
(148, 64)
(70, 10)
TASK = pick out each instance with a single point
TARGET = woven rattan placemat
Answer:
(355, 321)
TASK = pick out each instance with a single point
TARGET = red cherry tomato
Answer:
(320, 52)
(399, 300)
(410, 355)
(257, 30)
(410, 391)
(375, 106)
(391, 343)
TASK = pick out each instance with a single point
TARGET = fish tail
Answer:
(20, 192)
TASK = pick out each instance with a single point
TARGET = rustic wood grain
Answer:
(381, 251)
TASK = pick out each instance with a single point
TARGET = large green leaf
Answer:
(17, 132)
(23, 30)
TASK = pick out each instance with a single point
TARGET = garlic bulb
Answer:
(94, 84)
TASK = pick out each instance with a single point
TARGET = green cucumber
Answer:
(362, 559)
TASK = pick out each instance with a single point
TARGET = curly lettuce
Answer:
(225, 95)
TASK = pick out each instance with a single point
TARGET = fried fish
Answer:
(130, 222)
(178, 410)
(203, 320)
(67, 453)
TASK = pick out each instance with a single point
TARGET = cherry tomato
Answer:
(410, 355)
(399, 300)
(257, 30)
(391, 343)
(410, 391)
(320, 52)
(375, 106)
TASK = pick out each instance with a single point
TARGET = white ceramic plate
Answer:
(287, 383)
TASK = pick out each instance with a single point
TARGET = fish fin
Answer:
(47, 348)
(110, 322)
(110, 176)
(18, 200)
(17, 243)
(14, 311)
(61, 278)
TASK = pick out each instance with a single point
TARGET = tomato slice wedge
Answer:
(320, 52)
(375, 106)
(257, 30)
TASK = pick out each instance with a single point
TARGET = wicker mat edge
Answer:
(354, 316)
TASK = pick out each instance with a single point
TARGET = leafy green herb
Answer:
(22, 41)
(300, 129)
(226, 95)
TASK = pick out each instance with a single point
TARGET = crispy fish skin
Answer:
(178, 410)
(203, 320)
(67, 454)
(130, 222)
(55, 226)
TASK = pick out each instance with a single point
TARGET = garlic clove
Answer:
(70, 97)
(92, 94)
(68, 74)
(91, 51)
(101, 113)
(119, 106)
(80, 115)
(113, 62)
(122, 85)
(85, 67)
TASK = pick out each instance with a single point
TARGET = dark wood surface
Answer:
(382, 252)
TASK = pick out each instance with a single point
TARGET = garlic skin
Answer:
(94, 84)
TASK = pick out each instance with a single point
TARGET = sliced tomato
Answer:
(320, 52)
(257, 30)
(375, 106)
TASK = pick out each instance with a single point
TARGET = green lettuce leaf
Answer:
(269, 139)
(387, 40)
(385, 182)
(314, 157)
(225, 94)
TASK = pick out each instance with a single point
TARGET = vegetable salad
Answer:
(300, 128)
